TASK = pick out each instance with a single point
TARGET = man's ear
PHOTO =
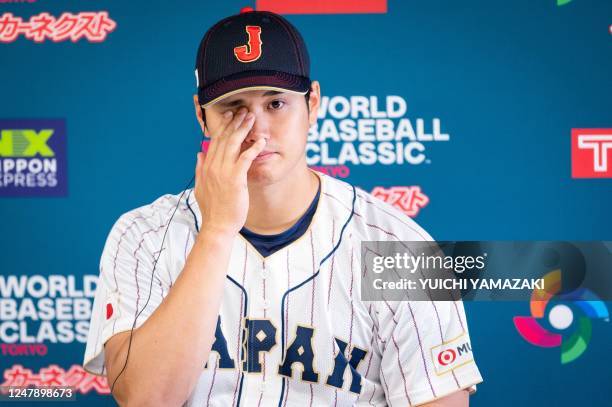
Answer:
(314, 102)
(198, 112)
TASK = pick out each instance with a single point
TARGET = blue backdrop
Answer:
(508, 81)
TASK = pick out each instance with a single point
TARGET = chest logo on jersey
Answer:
(259, 337)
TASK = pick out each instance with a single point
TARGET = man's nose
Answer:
(259, 130)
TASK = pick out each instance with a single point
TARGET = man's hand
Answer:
(221, 174)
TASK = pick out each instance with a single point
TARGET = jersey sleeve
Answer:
(126, 285)
(426, 351)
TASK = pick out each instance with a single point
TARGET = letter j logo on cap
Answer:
(252, 50)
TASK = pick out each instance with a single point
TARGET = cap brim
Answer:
(278, 81)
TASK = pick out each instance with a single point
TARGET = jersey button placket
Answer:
(264, 305)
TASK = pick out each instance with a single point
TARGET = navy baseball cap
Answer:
(253, 50)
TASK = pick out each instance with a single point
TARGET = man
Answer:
(250, 294)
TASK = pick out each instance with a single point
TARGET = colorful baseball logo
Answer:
(561, 317)
(447, 357)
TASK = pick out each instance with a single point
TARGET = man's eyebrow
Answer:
(238, 102)
(272, 93)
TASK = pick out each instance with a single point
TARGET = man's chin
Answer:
(262, 175)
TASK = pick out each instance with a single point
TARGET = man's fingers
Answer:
(222, 135)
(246, 158)
(198, 169)
(226, 120)
(225, 147)
(245, 126)
(235, 140)
(211, 153)
(237, 121)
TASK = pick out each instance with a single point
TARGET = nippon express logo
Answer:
(33, 158)
(569, 316)
(360, 130)
(591, 153)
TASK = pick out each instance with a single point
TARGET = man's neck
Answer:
(276, 207)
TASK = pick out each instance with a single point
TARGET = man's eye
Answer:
(276, 104)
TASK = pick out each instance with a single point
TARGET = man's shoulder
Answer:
(157, 213)
(372, 217)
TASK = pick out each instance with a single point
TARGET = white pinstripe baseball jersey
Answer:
(292, 328)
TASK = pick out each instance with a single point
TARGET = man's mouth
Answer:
(264, 155)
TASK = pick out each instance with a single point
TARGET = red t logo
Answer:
(252, 50)
(591, 153)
